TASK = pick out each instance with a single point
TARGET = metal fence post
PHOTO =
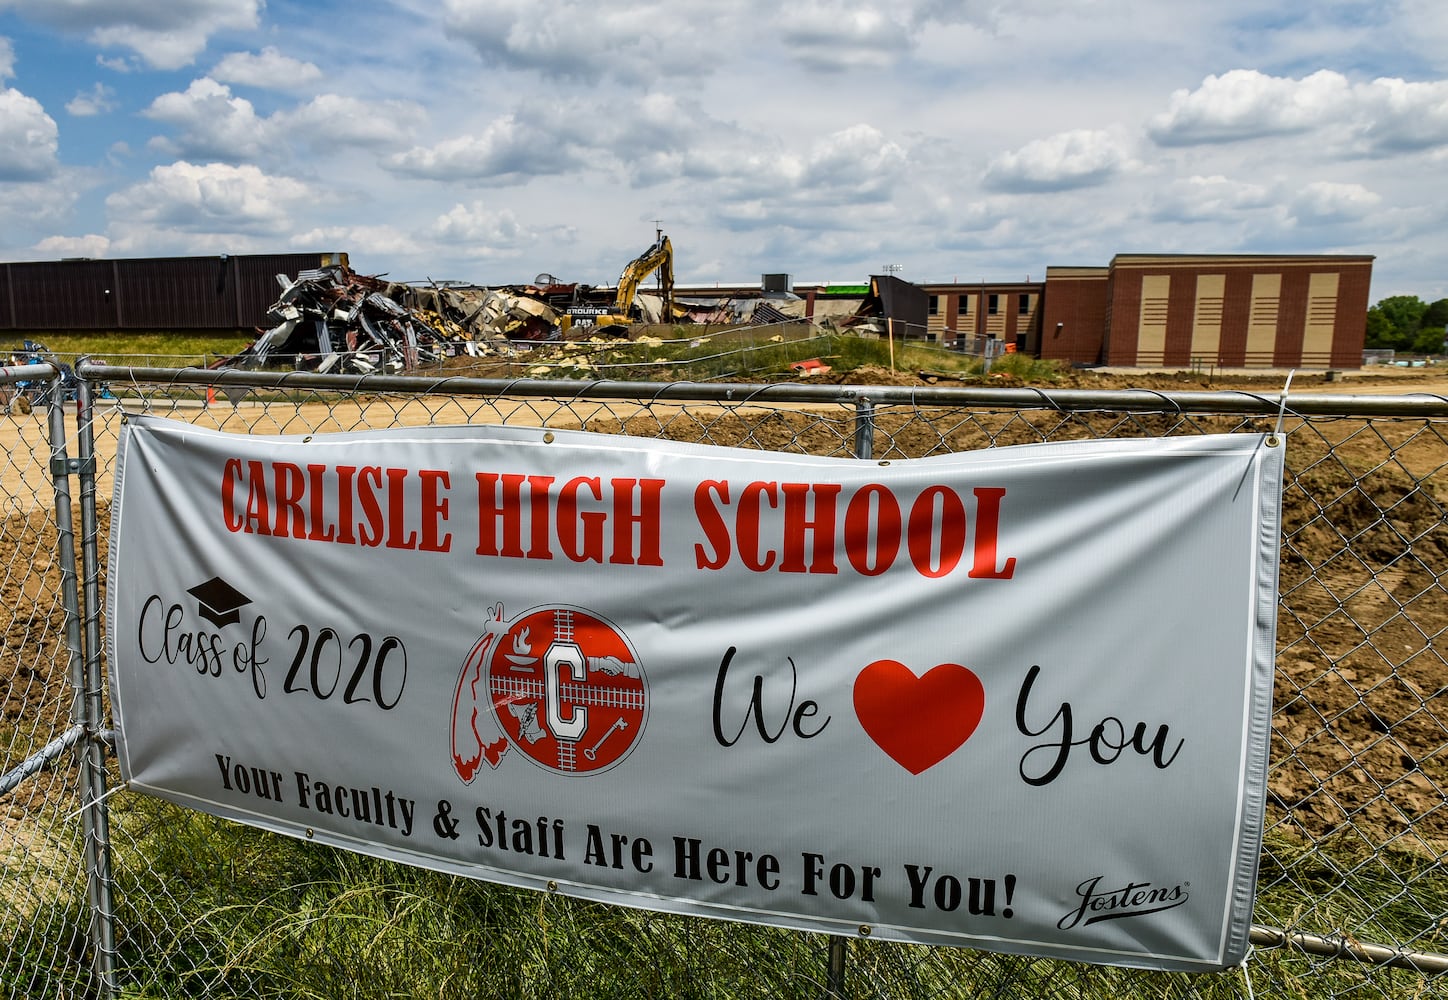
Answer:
(839, 944)
(88, 708)
(864, 428)
(835, 967)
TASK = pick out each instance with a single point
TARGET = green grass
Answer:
(142, 350)
(210, 908)
(678, 354)
(764, 354)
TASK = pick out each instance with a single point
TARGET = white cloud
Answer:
(530, 143)
(335, 120)
(490, 233)
(640, 43)
(655, 123)
(29, 211)
(211, 123)
(857, 177)
(854, 164)
(580, 40)
(211, 197)
(1379, 118)
(827, 138)
(99, 100)
(1065, 161)
(90, 245)
(481, 233)
(1246, 104)
(1396, 116)
(165, 35)
(1421, 26)
(29, 139)
(269, 69)
(832, 36)
(1324, 202)
(379, 240)
(750, 182)
(1206, 198)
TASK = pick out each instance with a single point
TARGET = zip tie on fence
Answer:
(1282, 407)
(95, 802)
(1247, 971)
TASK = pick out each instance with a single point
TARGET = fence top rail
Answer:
(28, 373)
(1133, 400)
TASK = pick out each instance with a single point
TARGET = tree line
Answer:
(1408, 324)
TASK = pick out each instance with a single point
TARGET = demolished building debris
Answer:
(332, 319)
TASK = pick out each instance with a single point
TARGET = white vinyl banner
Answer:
(1015, 699)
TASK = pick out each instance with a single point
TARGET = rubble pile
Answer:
(334, 320)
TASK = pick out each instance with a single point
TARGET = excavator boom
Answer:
(659, 257)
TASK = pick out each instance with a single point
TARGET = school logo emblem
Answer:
(560, 685)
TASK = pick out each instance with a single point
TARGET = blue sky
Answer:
(491, 140)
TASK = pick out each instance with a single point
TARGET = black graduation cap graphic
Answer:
(219, 602)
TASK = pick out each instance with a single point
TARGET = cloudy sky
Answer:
(490, 140)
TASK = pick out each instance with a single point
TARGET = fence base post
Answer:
(835, 968)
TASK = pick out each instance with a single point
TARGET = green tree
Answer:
(1432, 329)
(1437, 314)
(1404, 317)
(1380, 330)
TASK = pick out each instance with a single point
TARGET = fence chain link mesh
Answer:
(1352, 900)
(44, 915)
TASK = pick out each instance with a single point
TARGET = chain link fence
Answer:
(106, 893)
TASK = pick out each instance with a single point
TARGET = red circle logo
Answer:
(567, 690)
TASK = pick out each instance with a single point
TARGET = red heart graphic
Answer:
(918, 721)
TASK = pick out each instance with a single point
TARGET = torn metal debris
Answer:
(332, 319)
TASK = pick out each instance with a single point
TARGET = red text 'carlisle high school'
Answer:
(757, 526)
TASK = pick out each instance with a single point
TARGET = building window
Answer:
(993, 304)
(934, 305)
(962, 306)
(1024, 306)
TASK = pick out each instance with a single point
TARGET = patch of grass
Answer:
(680, 353)
(211, 908)
(1026, 368)
(142, 350)
(760, 354)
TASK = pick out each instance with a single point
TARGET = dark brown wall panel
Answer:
(1125, 318)
(1236, 313)
(54, 295)
(227, 292)
(1291, 315)
(1181, 310)
(1352, 316)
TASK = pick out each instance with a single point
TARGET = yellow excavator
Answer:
(660, 258)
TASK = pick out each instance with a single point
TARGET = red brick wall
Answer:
(1352, 316)
(1078, 305)
(1125, 310)
(1125, 317)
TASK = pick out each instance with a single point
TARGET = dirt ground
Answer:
(1360, 731)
